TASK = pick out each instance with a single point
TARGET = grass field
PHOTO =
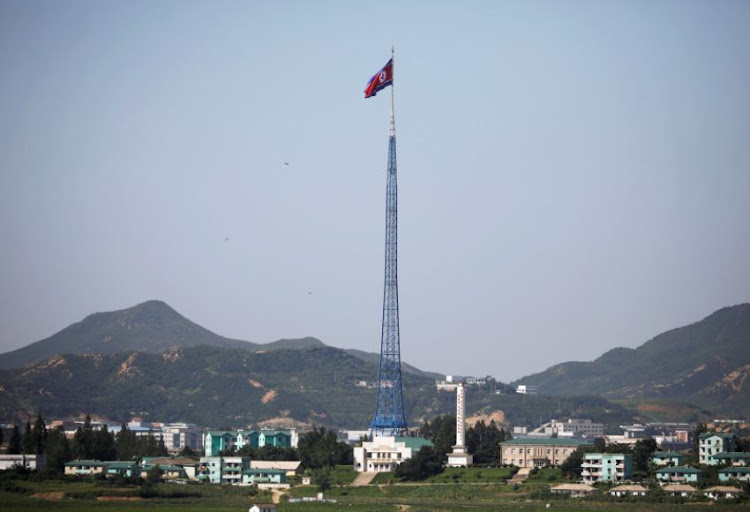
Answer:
(477, 490)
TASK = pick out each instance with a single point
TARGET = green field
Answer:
(477, 490)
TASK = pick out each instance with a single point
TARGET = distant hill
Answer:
(706, 363)
(293, 344)
(218, 387)
(152, 326)
(371, 357)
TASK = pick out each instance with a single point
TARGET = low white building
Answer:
(33, 462)
(573, 427)
(526, 389)
(384, 453)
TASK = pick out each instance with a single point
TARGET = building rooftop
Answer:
(85, 462)
(679, 488)
(679, 469)
(731, 455)
(667, 454)
(415, 443)
(706, 435)
(547, 441)
(629, 487)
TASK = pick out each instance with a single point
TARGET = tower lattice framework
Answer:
(389, 413)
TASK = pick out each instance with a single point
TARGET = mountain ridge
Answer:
(152, 327)
(705, 363)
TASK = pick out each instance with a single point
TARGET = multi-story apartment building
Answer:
(538, 452)
(222, 470)
(216, 441)
(178, 436)
(713, 443)
(606, 467)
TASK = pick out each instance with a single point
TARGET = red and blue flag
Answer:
(380, 81)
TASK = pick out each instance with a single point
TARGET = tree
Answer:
(320, 448)
(154, 475)
(82, 440)
(571, 468)
(442, 433)
(103, 445)
(425, 463)
(187, 452)
(126, 444)
(39, 435)
(742, 444)
(14, 444)
(322, 478)
(57, 449)
(483, 442)
(27, 441)
(643, 450)
(600, 445)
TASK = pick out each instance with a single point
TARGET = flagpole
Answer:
(392, 126)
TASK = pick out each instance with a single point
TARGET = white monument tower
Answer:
(459, 457)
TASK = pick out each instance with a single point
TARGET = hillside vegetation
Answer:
(706, 363)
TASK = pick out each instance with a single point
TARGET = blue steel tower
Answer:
(389, 412)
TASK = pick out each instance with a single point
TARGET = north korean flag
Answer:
(381, 80)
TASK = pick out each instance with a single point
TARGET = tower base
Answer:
(458, 458)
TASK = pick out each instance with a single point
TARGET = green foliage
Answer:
(14, 444)
(269, 452)
(93, 444)
(154, 474)
(667, 364)
(152, 326)
(545, 475)
(210, 386)
(320, 448)
(425, 463)
(57, 449)
(28, 443)
(322, 479)
(490, 475)
(571, 468)
(642, 452)
(483, 442)
(442, 433)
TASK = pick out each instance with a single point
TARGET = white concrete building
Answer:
(573, 427)
(526, 389)
(178, 436)
(384, 453)
(33, 462)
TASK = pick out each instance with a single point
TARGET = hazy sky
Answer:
(573, 175)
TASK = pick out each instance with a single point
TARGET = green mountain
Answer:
(149, 327)
(706, 363)
(153, 327)
(218, 387)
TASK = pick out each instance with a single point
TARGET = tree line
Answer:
(87, 443)
(482, 440)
